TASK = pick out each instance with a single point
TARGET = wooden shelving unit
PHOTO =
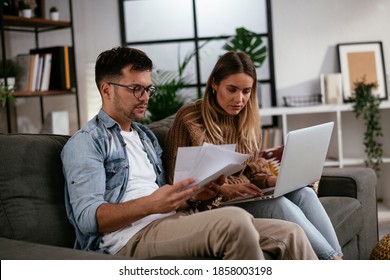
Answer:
(10, 23)
(41, 23)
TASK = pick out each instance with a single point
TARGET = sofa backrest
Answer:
(160, 128)
(32, 190)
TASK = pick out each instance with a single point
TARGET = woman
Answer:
(229, 114)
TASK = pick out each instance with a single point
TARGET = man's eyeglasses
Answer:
(138, 90)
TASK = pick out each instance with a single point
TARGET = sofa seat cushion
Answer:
(32, 204)
(346, 214)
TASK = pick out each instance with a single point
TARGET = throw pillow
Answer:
(273, 156)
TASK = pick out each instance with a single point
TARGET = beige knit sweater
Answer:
(188, 130)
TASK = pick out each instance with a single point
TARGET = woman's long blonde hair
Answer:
(249, 128)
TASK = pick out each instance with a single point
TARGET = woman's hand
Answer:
(263, 180)
(271, 181)
(210, 191)
(239, 190)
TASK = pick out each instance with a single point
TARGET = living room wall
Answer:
(305, 35)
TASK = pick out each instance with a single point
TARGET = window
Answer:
(167, 30)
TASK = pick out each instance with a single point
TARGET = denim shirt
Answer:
(96, 170)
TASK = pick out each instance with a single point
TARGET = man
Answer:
(116, 196)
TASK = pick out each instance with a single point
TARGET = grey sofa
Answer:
(33, 223)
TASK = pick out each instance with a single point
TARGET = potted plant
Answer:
(25, 9)
(54, 13)
(9, 69)
(167, 101)
(5, 93)
(367, 105)
(7, 108)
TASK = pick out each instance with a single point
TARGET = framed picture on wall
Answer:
(360, 61)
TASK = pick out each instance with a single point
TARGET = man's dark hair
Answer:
(110, 63)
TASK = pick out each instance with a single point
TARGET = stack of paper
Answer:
(206, 163)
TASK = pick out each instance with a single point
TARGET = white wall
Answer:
(306, 33)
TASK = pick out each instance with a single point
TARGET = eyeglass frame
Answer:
(133, 87)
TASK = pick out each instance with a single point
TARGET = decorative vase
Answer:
(27, 13)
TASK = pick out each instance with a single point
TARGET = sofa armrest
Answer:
(359, 183)
(356, 182)
(22, 250)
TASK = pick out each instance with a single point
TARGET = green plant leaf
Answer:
(248, 42)
(169, 83)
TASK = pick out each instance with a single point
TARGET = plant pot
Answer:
(10, 82)
(54, 15)
(27, 13)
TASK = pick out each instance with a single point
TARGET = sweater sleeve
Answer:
(258, 171)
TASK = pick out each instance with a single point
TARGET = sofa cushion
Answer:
(346, 215)
(32, 190)
(160, 129)
(273, 156)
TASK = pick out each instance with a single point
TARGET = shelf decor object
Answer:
(25, 9)
(300, 101)
(54, 13)
(362, 60)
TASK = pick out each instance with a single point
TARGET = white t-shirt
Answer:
(142, 182)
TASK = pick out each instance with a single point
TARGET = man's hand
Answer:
(171, 197)
(114, 216)
(210, 191)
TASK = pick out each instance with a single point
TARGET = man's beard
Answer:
(129, 112)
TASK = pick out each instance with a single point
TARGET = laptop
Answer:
(302, 162)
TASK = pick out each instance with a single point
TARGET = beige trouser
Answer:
(226, 233)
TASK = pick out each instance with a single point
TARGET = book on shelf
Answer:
(62, 74)
(38, 76)
(46, 71)
(36, 70)
(272, 137)
(26, 62)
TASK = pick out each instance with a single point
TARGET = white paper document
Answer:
(206, 163)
